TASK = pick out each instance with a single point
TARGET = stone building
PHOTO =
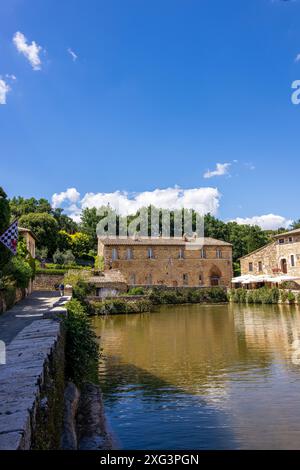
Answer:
(30, 239)
(280, 257)
(172, 262)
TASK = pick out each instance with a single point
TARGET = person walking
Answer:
(61, 289)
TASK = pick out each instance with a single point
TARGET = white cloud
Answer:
(4, 89)
(73, 55)
(30, 51)
(221, 170)
(266, 222)
(71, 195)
(11, 76)
(297, 58)
(203, 200)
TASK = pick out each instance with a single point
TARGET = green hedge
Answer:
(192, 296)
(53, 272)
(265, 295)
(82, 349)
(115, 306)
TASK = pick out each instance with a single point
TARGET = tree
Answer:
(5, 254)
(80, 244)
(20, 206)
(296, 224)
(64, 222)
(44, 226)
(64, 240)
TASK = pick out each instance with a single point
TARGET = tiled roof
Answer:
(111, 276)
(291, 232)
(161, 241)
(27, 230)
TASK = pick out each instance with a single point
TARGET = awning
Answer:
(251, 279)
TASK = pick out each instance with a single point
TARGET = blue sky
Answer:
(158, 93)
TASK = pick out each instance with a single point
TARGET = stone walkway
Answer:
(34, 307)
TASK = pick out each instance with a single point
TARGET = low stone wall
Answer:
(47, 281)
(32, 388)
(6, 303)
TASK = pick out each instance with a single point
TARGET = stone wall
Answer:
(32, 388)
(47, 281)
(167, 269)
(270, 258)
(7, 302)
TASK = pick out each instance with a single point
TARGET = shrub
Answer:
(82, 350)
(117, 306)
(19, 270)
(68, 258)
(291, 297)
(298, 299)
(136, 291)
(9, 295)
(284, 296)
(81, 290)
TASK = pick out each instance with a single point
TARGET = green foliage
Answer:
(265, 295)
(298, 298)
(81, 290)
(182, 296)
(19, 270)
(41, 253)
(291, 297)
(284, 296)
(82, 350)
(136, 291)
(44, 227)
(9, 295)
(5, 254)
(99, 263)
(53, 272)
(118, 306)
(64, 241)
(80, 244)
(20, 206)
(66, 258)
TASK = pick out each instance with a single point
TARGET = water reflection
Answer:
(202, 377)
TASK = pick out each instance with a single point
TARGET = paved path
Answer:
(34, 307)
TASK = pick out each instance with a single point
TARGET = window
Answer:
(281, 241)
(129, 253)
(219, 254)
(293, 261)
(260, 266)
(149, 280)
(132, 279)
(203, 253)
(290, 239)
(185, 279)
(181, 253)
(114, 254)
(200, 280)
(250, 267)
(150, 253)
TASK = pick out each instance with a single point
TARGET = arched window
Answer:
(150, 254)
(129, 253)
(181, 253)
(203, 253)
(219, 254)
(114, 254)
(185, 279)
(200, 279)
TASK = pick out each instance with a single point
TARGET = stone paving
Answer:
(30, 335)
(34, 307)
